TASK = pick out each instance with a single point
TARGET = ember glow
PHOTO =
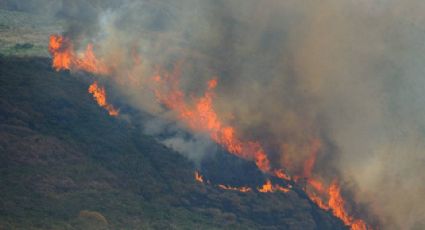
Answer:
(267, 187)
(239, 189)
(99, 94)
(281, 174)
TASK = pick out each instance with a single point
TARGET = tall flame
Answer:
(64, 57)
(337, 204)
(62, 52)
(99, 94)
(202, 117)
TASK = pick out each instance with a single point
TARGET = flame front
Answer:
(266, 188)
(202, 117)
(199, 115)
(99, 94)
(335, 203)
(65, 58)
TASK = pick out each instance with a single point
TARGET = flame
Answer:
(65, 58)
(337, 204)
(318, 201)
(266, 188)
(199, 177)
(281, 174)
(269, 187)
(61, 50)
(202, 117)
(316, 184)
(240, 189)
(99, 94)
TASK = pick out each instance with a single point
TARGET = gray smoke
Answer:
(350, 73)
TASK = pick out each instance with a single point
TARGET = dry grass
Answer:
(20, 28)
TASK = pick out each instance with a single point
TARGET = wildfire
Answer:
(199, 115)
(269, 187)
(202, 117)
(61, 50)
(199, 177)
(266, 188)
(99, 94)
(335, 201)
(337, 204)
(281, 174)
(64, 57)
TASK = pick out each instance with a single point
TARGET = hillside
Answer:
(66, 164)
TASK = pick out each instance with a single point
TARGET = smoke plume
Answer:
(345, 74)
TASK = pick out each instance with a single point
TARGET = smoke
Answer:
(347, 73)
(195, 147)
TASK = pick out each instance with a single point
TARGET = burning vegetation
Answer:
(99, 94)
(199, 115)
(64, 57)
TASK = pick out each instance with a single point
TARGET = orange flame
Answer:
(281, 174)
(335, 203)
(202, 117)
(317, 185)
(61, 50)
(199, 177)
(99, 94)
(269, 187)
(281, 189)
(64, 57)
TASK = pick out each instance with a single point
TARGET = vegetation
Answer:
(26, 34)
(66, 164)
